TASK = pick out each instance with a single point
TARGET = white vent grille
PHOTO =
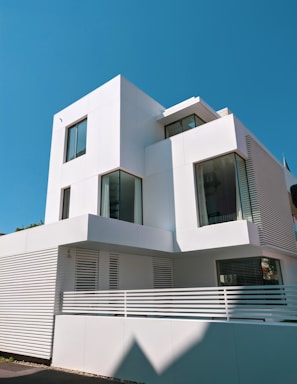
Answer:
(162, 272)
(269, 198)
(27, 300)
(114, 271)
(86, 270)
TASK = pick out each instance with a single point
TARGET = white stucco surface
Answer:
(171, 351)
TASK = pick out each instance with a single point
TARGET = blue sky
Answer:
(239, 54)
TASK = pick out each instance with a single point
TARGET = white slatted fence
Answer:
(263, 303)
(27, 299)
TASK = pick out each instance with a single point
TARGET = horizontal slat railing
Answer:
(264, 303)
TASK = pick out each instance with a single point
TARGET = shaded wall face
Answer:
(203, 270)
(171, 351)
(269, 199)
(89, 269)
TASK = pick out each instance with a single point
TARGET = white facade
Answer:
(165, 245)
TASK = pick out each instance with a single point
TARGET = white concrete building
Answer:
(144, 197)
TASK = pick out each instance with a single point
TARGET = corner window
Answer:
(222, 190)
(76, 140)
(249, 271)
(65, 203)
(121, 197)
(183, 125)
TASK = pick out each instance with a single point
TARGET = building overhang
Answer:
(90, 231)
(194, 105)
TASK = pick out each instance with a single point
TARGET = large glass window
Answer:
(121, 197)
(249, 271)
(183, 125)
(76, 140)
(222, 190)
(65, 203)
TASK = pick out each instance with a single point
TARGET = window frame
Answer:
(197, 119)
(105, 207)
(260, 260)
(75, 128)
(243, 206)
(65, 199)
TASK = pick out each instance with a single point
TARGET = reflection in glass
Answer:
(249, 271)
(121, 197)
(76, 140)
(222, 190)
(183, 125)
(66, 203)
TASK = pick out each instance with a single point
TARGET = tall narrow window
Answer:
(65, 203)
(121, 197)
(76, 140)
(222, 190)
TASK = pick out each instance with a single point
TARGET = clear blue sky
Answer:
(239, 54)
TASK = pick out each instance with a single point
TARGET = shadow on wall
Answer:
(229, 353)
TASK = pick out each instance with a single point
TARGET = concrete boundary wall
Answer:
(155, 351)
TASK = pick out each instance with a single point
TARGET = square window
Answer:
(76, 140)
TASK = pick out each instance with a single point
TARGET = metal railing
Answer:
(271, 303)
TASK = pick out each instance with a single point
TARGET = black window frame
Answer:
(66, 192)
(75, 128)
(198, 121)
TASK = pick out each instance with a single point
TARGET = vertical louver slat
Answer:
(269, 198)
(86, 270)
(162, 272)
(114, 271)
(27, 300)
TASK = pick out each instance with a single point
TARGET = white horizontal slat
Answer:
(27, 299)
(269, 303)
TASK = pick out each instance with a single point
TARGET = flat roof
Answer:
(194, 105)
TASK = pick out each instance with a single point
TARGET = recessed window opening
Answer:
(121, 197)
(183, 125)
(65, 203)
(76, 140)
(222, 190)
(249, 271)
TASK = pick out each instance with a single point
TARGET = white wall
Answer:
(135, 271)
(198, 269)
(121, 122)
(170, 351)
(102, 109)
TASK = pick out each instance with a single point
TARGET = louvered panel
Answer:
(86, 270)
(269, 198)
(162, 272)
(27, 298)
(113, 271)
